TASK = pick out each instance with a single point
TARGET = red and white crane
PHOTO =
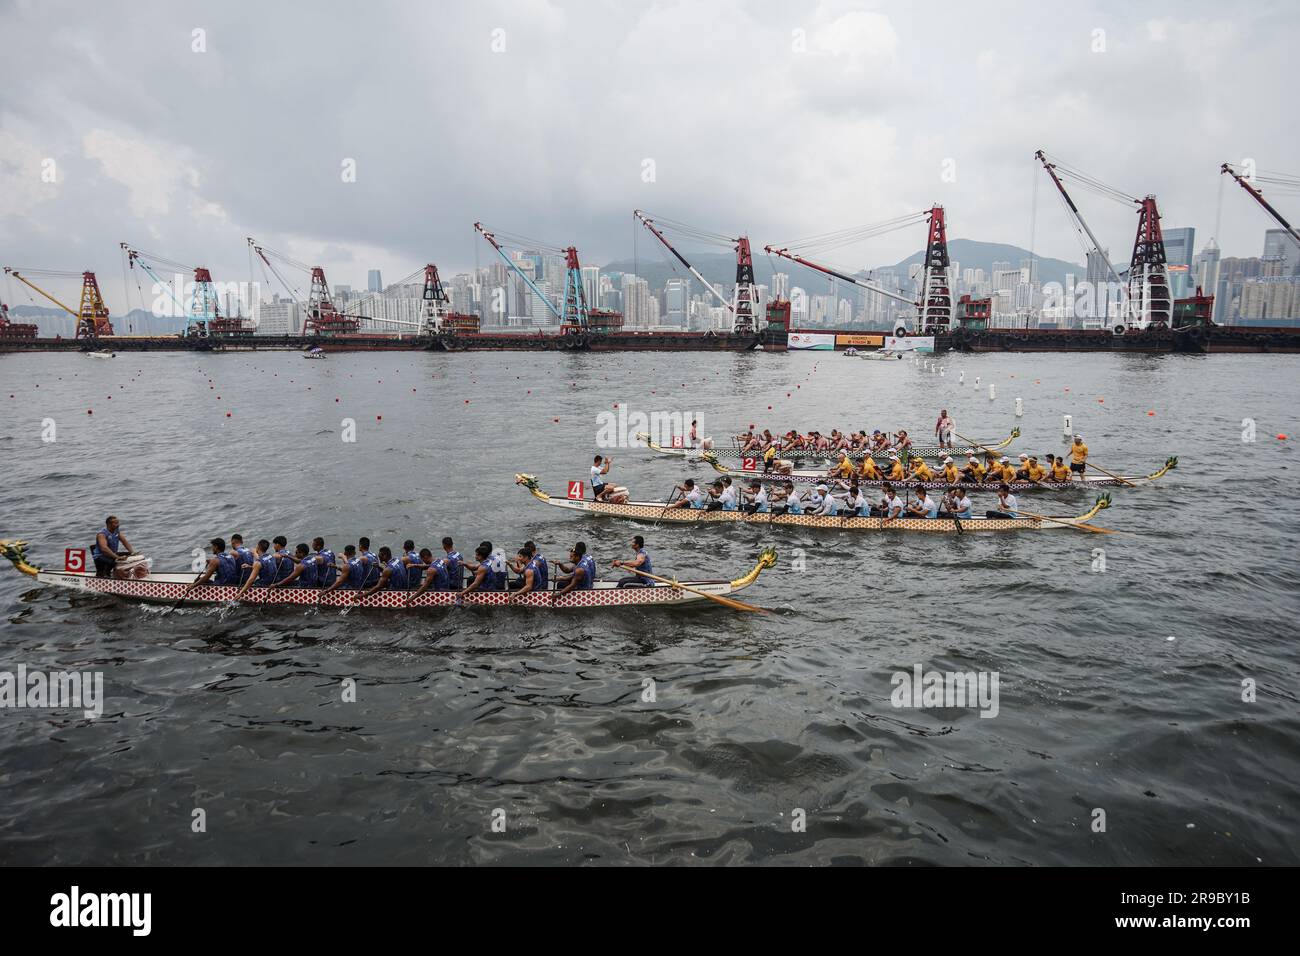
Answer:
(1147, 300)
(1247, 182)
(934, 306)
(743, 304)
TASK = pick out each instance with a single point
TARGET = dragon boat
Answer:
(818, 477)
(170, 589)
(658, 511)
(799, 455)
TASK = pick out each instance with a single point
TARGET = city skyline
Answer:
(878, 114)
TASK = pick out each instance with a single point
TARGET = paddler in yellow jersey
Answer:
(1006, 471)
(1059, 471)
(769, 456)
(1034, 471)
(1079, 456)
(842, 468)
(869, 470)
(896, 470)
(950, 472)
(921, 471)
(973, 471)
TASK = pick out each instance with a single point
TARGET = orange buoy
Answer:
(90, 411)
(1151, 413)
(1281, 437)
(379, 418)
(227, 414)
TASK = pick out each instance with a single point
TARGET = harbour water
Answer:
(1160, 691)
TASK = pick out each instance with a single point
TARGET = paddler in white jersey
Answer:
(758, 500)
(925, 506)
(691, 497)
(822, 502)
(1006, 504)
(728, 499)
(891, 506)
(956, 504)
(857, 502)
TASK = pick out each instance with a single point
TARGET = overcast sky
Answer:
(776, 118)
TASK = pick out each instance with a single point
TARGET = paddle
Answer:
(1118, 478)
(1069, 524)
(724, 601)
(666, 504)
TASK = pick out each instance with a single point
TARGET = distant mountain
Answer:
(720, 268)
(973, 254)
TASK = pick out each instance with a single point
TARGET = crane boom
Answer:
(32, 285)
(1258, 196)
(649, 224)
(492, 241)
(1074, 211)
(843, 276)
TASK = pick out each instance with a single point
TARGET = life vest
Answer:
(397, 579)
(588, 565)
(327, 571)
(266, 573)
(454, 570)
(227, 570)
(310, 576)
(495, 579)
(283, 565)
(373, 569)
(538, 564)
(113, 538)
(356, 573)
(244, 556)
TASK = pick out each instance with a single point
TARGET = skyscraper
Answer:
(677, 302)
(374, 283)
(1278, 242)
(1179, 244)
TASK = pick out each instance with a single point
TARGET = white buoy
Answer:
(1020, 408)
(993, 391)
(941, 371)
(1068, 425)
(977, 381)
(961, 377)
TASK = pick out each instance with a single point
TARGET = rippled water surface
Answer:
(758, 719)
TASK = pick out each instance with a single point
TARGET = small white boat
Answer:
(881, 356)
(315, 352)
(101, 354)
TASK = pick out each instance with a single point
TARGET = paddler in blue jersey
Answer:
(222, 568)
(326, 562)
(488, 569)
(305, 574)
(455, 564)
(640, 562)
(392, 577)
(351, 574)
(437, 575)
(107, 547)
(580, 571)
(243, 556)
(261, 570)
(532, 569)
